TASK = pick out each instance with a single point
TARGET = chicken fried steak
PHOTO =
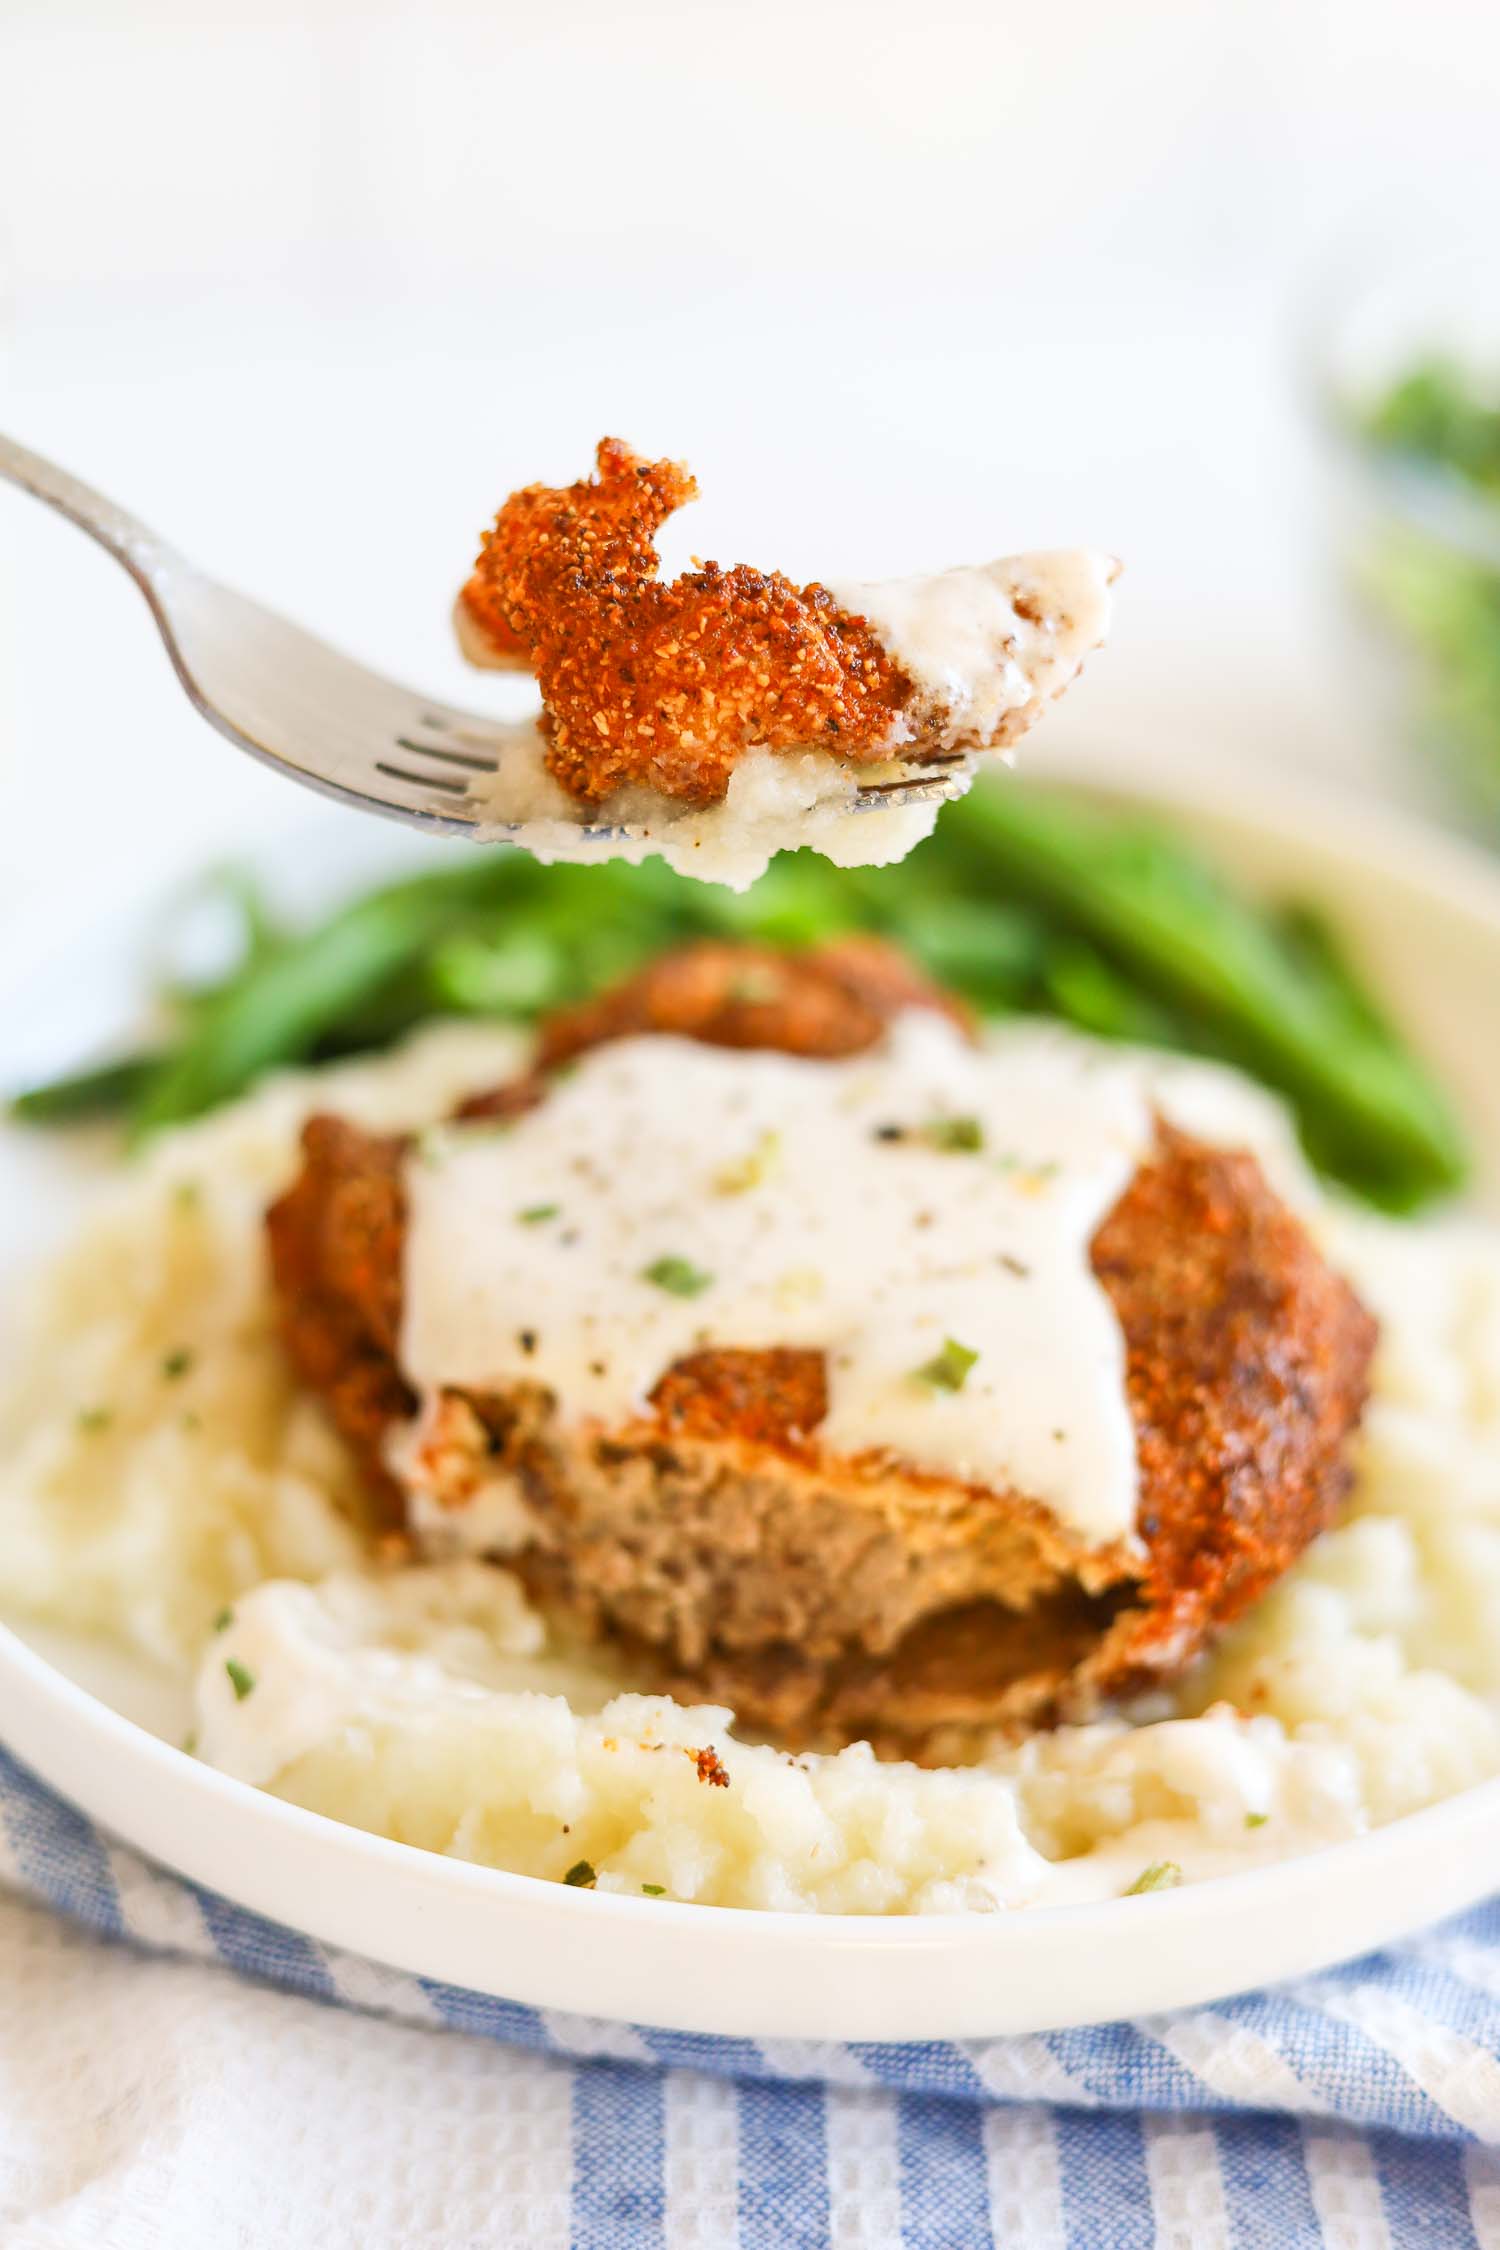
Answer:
(666, 684)
(828, 1594)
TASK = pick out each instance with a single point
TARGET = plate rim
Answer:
(1168, 1968)
(757, 1939)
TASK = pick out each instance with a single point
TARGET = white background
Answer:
(311, 287)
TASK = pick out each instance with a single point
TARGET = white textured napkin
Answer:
(151, 2104)
(153, 2099)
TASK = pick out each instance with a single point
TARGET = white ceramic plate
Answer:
(1424, 914)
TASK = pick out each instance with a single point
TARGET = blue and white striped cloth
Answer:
(1356, 2109)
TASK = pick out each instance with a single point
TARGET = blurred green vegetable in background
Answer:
(1442, 596)
(1024, 900)
(1438, 413)
(1446, 606)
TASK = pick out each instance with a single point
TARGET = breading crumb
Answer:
(667, 685)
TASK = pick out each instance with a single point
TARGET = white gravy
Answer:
(790, 1213)
(987, 646)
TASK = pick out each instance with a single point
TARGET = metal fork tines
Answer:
(325, 720)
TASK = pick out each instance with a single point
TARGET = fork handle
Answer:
(124, 536)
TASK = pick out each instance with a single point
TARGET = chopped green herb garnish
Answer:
(750, 1171)
(654, 1890)
(1256, 1819)
(186, 1195)
(241, 1680)
(678, 1276)
(535, 1213)
(955, 1135)
(947, 1370)
(582, 1875)
(224, 1620)
(190, 1745)
(93, 1418)
(753, 987)
(1161, 1875)
(961, 1136)
(177, 1363)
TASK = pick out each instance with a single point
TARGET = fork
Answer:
(318, 716)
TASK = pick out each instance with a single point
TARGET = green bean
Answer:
(994, 954)
(514, 972)
(1160, 914)
(276, 1011)
(1022, 900)
(1086, 989)
(800, 900)
(102, 1091)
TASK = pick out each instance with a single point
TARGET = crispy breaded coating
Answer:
(335, 1244)
(833, 1000)
(658, 685)
(1247, 1366)
(828, 1597)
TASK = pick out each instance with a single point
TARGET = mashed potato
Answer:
(160, 1469)
(775, 800)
